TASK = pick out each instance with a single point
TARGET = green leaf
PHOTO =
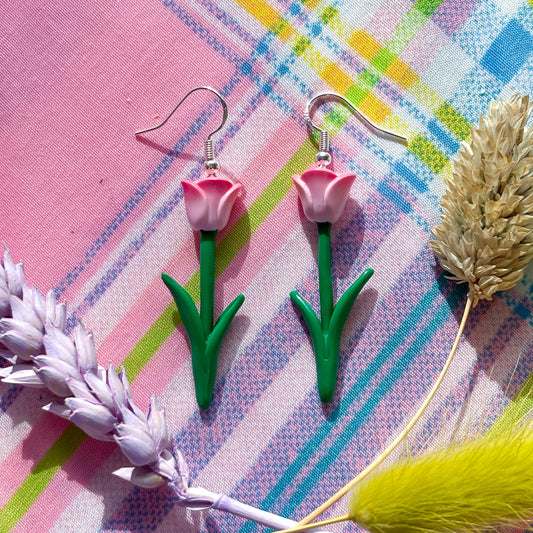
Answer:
(213, 343)
(189, 313)
(195, 331)
(342, 310)
(312, 322)
(222, 324)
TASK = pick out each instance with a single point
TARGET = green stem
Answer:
(207, 280)
(324, 274)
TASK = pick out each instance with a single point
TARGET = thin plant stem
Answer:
(198, 498)
(324, 274)
(384, 454)
(307, 527)
(207, 280)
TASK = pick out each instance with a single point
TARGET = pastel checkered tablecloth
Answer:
(98, 214)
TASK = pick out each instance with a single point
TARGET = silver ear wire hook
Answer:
(323, 157)
(211, 164)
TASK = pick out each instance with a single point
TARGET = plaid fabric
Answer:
(99, 214)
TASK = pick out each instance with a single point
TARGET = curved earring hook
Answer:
(324, 135)
(211, 163)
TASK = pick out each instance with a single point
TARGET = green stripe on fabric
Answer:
(519, 407)
(40, 476)
(427, 7)
(356, 94)
(428, 153)
(156, 335)
(381, 61)
(405, 31)
(454, 120)
(301, 45)
(329, 13)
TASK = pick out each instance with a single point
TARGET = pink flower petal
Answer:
(312, 187)
(336, 195)
(226, 204)
(196, 204)
(209, 201)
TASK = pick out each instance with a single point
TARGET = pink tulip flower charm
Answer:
(209, 201)
(323, 193)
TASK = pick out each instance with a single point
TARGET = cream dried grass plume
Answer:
(486, 234)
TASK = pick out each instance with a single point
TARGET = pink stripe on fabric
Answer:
(382, 25)
(451, 14)
(424, 47)
(70, 479)
(18, 465)
(66, 125)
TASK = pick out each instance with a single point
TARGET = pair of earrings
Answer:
(208, 203)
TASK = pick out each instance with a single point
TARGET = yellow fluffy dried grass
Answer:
(475, 486)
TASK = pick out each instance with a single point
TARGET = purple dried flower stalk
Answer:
(99, 401)
(39, 353)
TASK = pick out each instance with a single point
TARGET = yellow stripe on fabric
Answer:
(269, 17)
(518, 408)
(384, 60)
(227, 249)
(454, 120)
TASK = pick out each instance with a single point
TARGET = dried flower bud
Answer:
(86, 352)
(14, 275)
(140, 476)
(21, 375)
(158, 424)
(486, 235)
(21, 338)
(92, 418)
(136, 444)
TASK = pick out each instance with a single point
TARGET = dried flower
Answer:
(99, 401)
(486, 234)
(39, 353)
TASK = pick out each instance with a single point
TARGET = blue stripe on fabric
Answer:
(410, 176)
(9, 397)
(443, 137)
(353, 426)
(386, 190)
(366, 376)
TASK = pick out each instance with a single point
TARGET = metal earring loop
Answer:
(211, 164)
(323, 154)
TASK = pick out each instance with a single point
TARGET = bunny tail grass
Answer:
(390, 448)
(481, 484)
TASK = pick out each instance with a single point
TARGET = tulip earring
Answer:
(323, 194)
(208, 203)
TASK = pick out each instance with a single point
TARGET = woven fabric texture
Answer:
(98, 214)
